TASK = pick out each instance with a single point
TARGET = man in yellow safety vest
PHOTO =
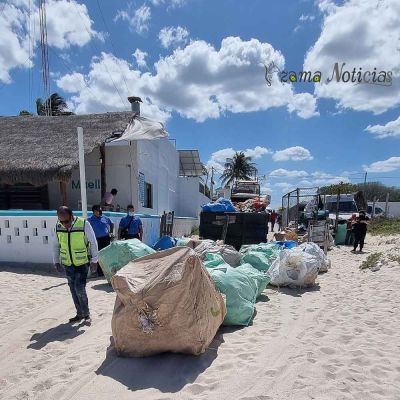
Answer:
(75, 247)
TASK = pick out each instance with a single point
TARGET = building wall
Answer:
(25, 236)
(158, 160)
(190, 199)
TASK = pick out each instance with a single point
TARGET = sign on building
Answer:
(141, 188)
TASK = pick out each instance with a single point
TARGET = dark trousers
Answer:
(349, 238)
(272, 225)
(76, 277)
(359, 239)
(101, 243)
(135, 236)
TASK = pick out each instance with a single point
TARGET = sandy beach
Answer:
(339, 340)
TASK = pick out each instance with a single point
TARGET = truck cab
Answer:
(347, 206)
(244, 190)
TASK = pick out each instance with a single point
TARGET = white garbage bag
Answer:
(317, 252)
(294, 267)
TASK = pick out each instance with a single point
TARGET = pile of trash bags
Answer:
(165, 302)
(115, 256)
(298, 266)
(221, 205)
(252, 205)
(176, 299)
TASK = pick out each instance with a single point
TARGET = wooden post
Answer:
(103, 181)
(63, 192)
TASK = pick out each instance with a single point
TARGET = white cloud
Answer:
(138, 20)
(304, 105)
(19, 39)
(285, 173)
(140, 57)
(69, 24)
(218, 158)
(296, 153)
(257, 152)
(391, 164)
(391, 129)
(285, 187)
(199, 81)
(362, 34)
(304, 17)
(170, 36)
(168, 3)
(100, 94)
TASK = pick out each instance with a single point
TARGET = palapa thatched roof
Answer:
(37, 149)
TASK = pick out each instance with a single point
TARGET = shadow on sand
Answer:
(295, 292)
(105, 287)
(57, 334)
(166, 372)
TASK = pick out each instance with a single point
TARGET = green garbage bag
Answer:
(115, 256)
(257, 260)
(213, 260)
(259, 278)
(240, 291)
(266, 248)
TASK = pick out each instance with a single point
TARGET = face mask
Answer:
(131, 213)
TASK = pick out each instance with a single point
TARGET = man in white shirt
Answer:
(109, 198)
(74, 248)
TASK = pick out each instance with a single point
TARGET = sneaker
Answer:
(88, 320)
(77, 318)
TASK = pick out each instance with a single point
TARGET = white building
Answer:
(39, 166)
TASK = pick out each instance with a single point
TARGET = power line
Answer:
(112, 44)
(64, 62)
(45, 56)
(96, 50)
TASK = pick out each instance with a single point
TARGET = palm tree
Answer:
(237, 167)
(55, 103)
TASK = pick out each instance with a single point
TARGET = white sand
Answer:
(338, 341)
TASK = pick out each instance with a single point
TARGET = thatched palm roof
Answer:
(37, 149)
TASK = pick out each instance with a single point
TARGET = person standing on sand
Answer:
(103, 229)
(74, 247)
(273, 219)
(131, 226)
(349, 230)
(360, 230)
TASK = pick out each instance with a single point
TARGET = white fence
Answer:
(27, 238)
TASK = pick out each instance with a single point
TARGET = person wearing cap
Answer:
(103, 229)
(74, 249)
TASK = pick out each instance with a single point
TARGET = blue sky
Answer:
(199, 66)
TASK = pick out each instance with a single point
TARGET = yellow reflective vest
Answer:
(73, 248)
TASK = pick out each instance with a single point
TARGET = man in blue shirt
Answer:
(103, 228)
(130, 227)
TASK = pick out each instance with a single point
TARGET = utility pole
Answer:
(212, 183)
(365, 179)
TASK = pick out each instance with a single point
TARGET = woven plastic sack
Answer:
(165, 302)
(240, 291)
(259, 278)
(294, 267)
(115, 256)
